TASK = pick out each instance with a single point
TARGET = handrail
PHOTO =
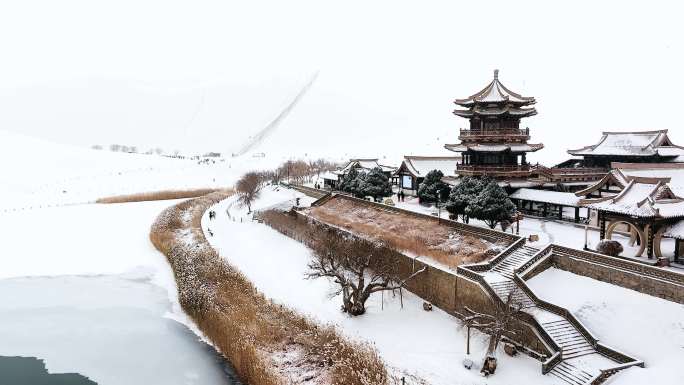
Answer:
(554, 360)
(466, 167)
(605, 373)
(543, 253)
(494, 132)
(616, 355)
(555, 309)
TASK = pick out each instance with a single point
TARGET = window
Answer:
(407, 182)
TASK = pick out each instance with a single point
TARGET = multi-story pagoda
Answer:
(494, 144)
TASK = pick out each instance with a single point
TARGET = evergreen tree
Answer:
(358, 185)
(348, 181)
(375, 184)
(461, 196)
(491, 205)
(433, 189)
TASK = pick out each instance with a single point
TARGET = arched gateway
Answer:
(645, 206)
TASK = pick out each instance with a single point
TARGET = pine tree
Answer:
(433, 189)
(461, 196)
(347, 184)
(375, 184)
(491, 205)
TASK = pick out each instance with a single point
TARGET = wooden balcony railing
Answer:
(498, 133)
(507, 171)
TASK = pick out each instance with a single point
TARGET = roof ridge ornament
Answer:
(496, 74)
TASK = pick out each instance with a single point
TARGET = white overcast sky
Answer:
(202, 73)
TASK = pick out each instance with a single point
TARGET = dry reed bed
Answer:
(267, 343)
(418, 236)
(158, 195)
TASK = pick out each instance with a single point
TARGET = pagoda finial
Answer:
(496, 74)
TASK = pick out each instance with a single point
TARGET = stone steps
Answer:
(571, 341)
(570, 374)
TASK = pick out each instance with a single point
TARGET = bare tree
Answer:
(496, 325)
(248, 189)
(359, 267)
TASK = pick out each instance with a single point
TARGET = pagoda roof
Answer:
(635, 143)
(420, 166)
(506, 110)
(499, 147)
(495, 92)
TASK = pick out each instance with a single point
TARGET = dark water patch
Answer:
(32, 371)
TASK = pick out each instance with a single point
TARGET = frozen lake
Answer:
(111, 329)
(83, 289)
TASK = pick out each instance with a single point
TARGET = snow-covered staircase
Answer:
(514, 260)
(504, 288)
(571, 341)
(577, 351)
(571, 374)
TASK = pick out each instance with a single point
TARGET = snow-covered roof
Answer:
(640, 143)
(672, 173)
(495, 92)
(513, 147)
(675, 230)
(330, 175)
(641, 197)
(545, 196)
(420, 166)
(366, 164)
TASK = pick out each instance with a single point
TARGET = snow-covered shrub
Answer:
(609, 247)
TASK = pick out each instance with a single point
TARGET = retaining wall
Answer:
(654, 281)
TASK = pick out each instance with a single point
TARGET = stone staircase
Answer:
(575, 346)
(513, 261)
(571, 374)
(504, 288)
(571, 341)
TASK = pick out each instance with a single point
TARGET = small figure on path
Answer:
(212, 214)
(211, 234)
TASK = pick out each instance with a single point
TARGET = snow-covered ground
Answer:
(648, 328)
(40, 174)
(430, 345)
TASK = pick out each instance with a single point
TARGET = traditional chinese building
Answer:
(413, 170)
(645, 201)
(494, 144)
(627, 147)
(331, 179)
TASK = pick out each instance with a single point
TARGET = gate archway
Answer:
(635, 233)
